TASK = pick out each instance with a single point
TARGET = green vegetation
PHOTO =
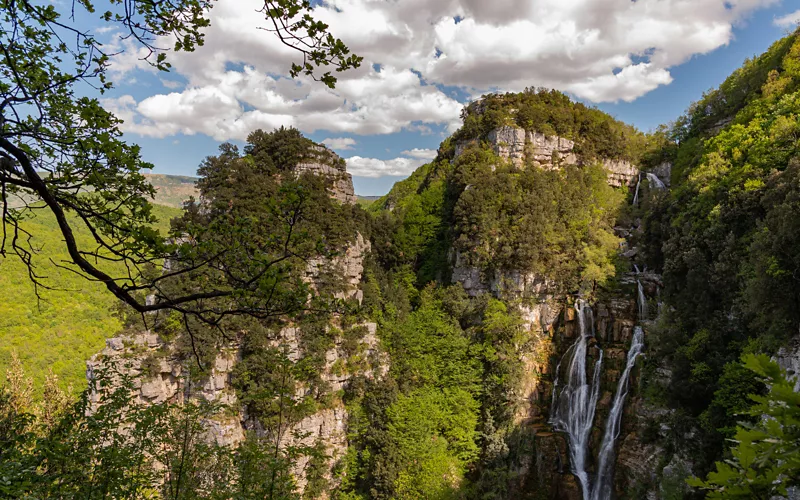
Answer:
(441, 425)
(60, 449)
(727, 239)
(62, 152)
(555, 223)
(765, 458)
(71, 321)
(551, 112)
(172, 190)
(261, 252)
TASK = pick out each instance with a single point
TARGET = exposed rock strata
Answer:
(324, 162)
(160, 375)
(521, 146)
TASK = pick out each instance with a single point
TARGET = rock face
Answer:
(521, 146)
(664, 172)
(621, 173)
(788, 358)
(518, 145)
(348, 267)
(324, 162)
(160, 375)
(511, 283)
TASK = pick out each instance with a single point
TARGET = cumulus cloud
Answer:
(788, 20)
(414, 52)
(373, 167)
(420, 154)
(339, 142)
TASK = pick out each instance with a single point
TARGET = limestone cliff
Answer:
(324, 162)
(523, 147)
(163, 372)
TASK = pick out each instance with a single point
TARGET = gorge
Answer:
(555, 307)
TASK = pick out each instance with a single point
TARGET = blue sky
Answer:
(634, 61)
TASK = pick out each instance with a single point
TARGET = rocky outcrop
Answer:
(507, 284)
(346, 267)
(523, 147)
(621, 173)
(519, 145)
(788, 358)
(664, 172)
(322, 161)
(161, 375)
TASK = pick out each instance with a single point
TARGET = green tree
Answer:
(765, 460)
(64, 153)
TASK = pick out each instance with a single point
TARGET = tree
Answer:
(63, 153)
(766, 457)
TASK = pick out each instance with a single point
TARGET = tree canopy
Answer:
(62, 152)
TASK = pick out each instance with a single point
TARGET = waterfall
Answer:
(642, 302)
(573, 412)
(605, 459)
(636, 194)
(655, 182)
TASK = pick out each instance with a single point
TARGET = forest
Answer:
(586, 311)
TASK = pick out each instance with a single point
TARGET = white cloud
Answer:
(127, 58)
(420, 154)
(788, 20)
(339, 142)
(171, 84)
(373, 167)
(600, 50)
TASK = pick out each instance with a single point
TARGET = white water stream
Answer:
(655, 182)
(603, 485)
(642, 301)
(575, 405)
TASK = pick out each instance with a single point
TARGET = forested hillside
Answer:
(58, 328)
(558, 306)
(728, 241)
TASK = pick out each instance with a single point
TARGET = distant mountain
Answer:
(173, 190)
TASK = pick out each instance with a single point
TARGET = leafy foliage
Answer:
(551, 112)
(726, 242)
(64, 153)
(69, 321)
(766, 456)
(557, 224)
(108, 445)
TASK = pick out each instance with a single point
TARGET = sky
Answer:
(642, 61)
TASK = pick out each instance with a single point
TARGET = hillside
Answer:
(173, 190)
(72, 320)
(558, 306)
(728, 242)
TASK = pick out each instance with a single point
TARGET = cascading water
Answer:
(605, 458)
(655, 182)
(636, 194)
(574, 407)
(642, 300)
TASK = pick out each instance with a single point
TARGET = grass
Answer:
(72, 321)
